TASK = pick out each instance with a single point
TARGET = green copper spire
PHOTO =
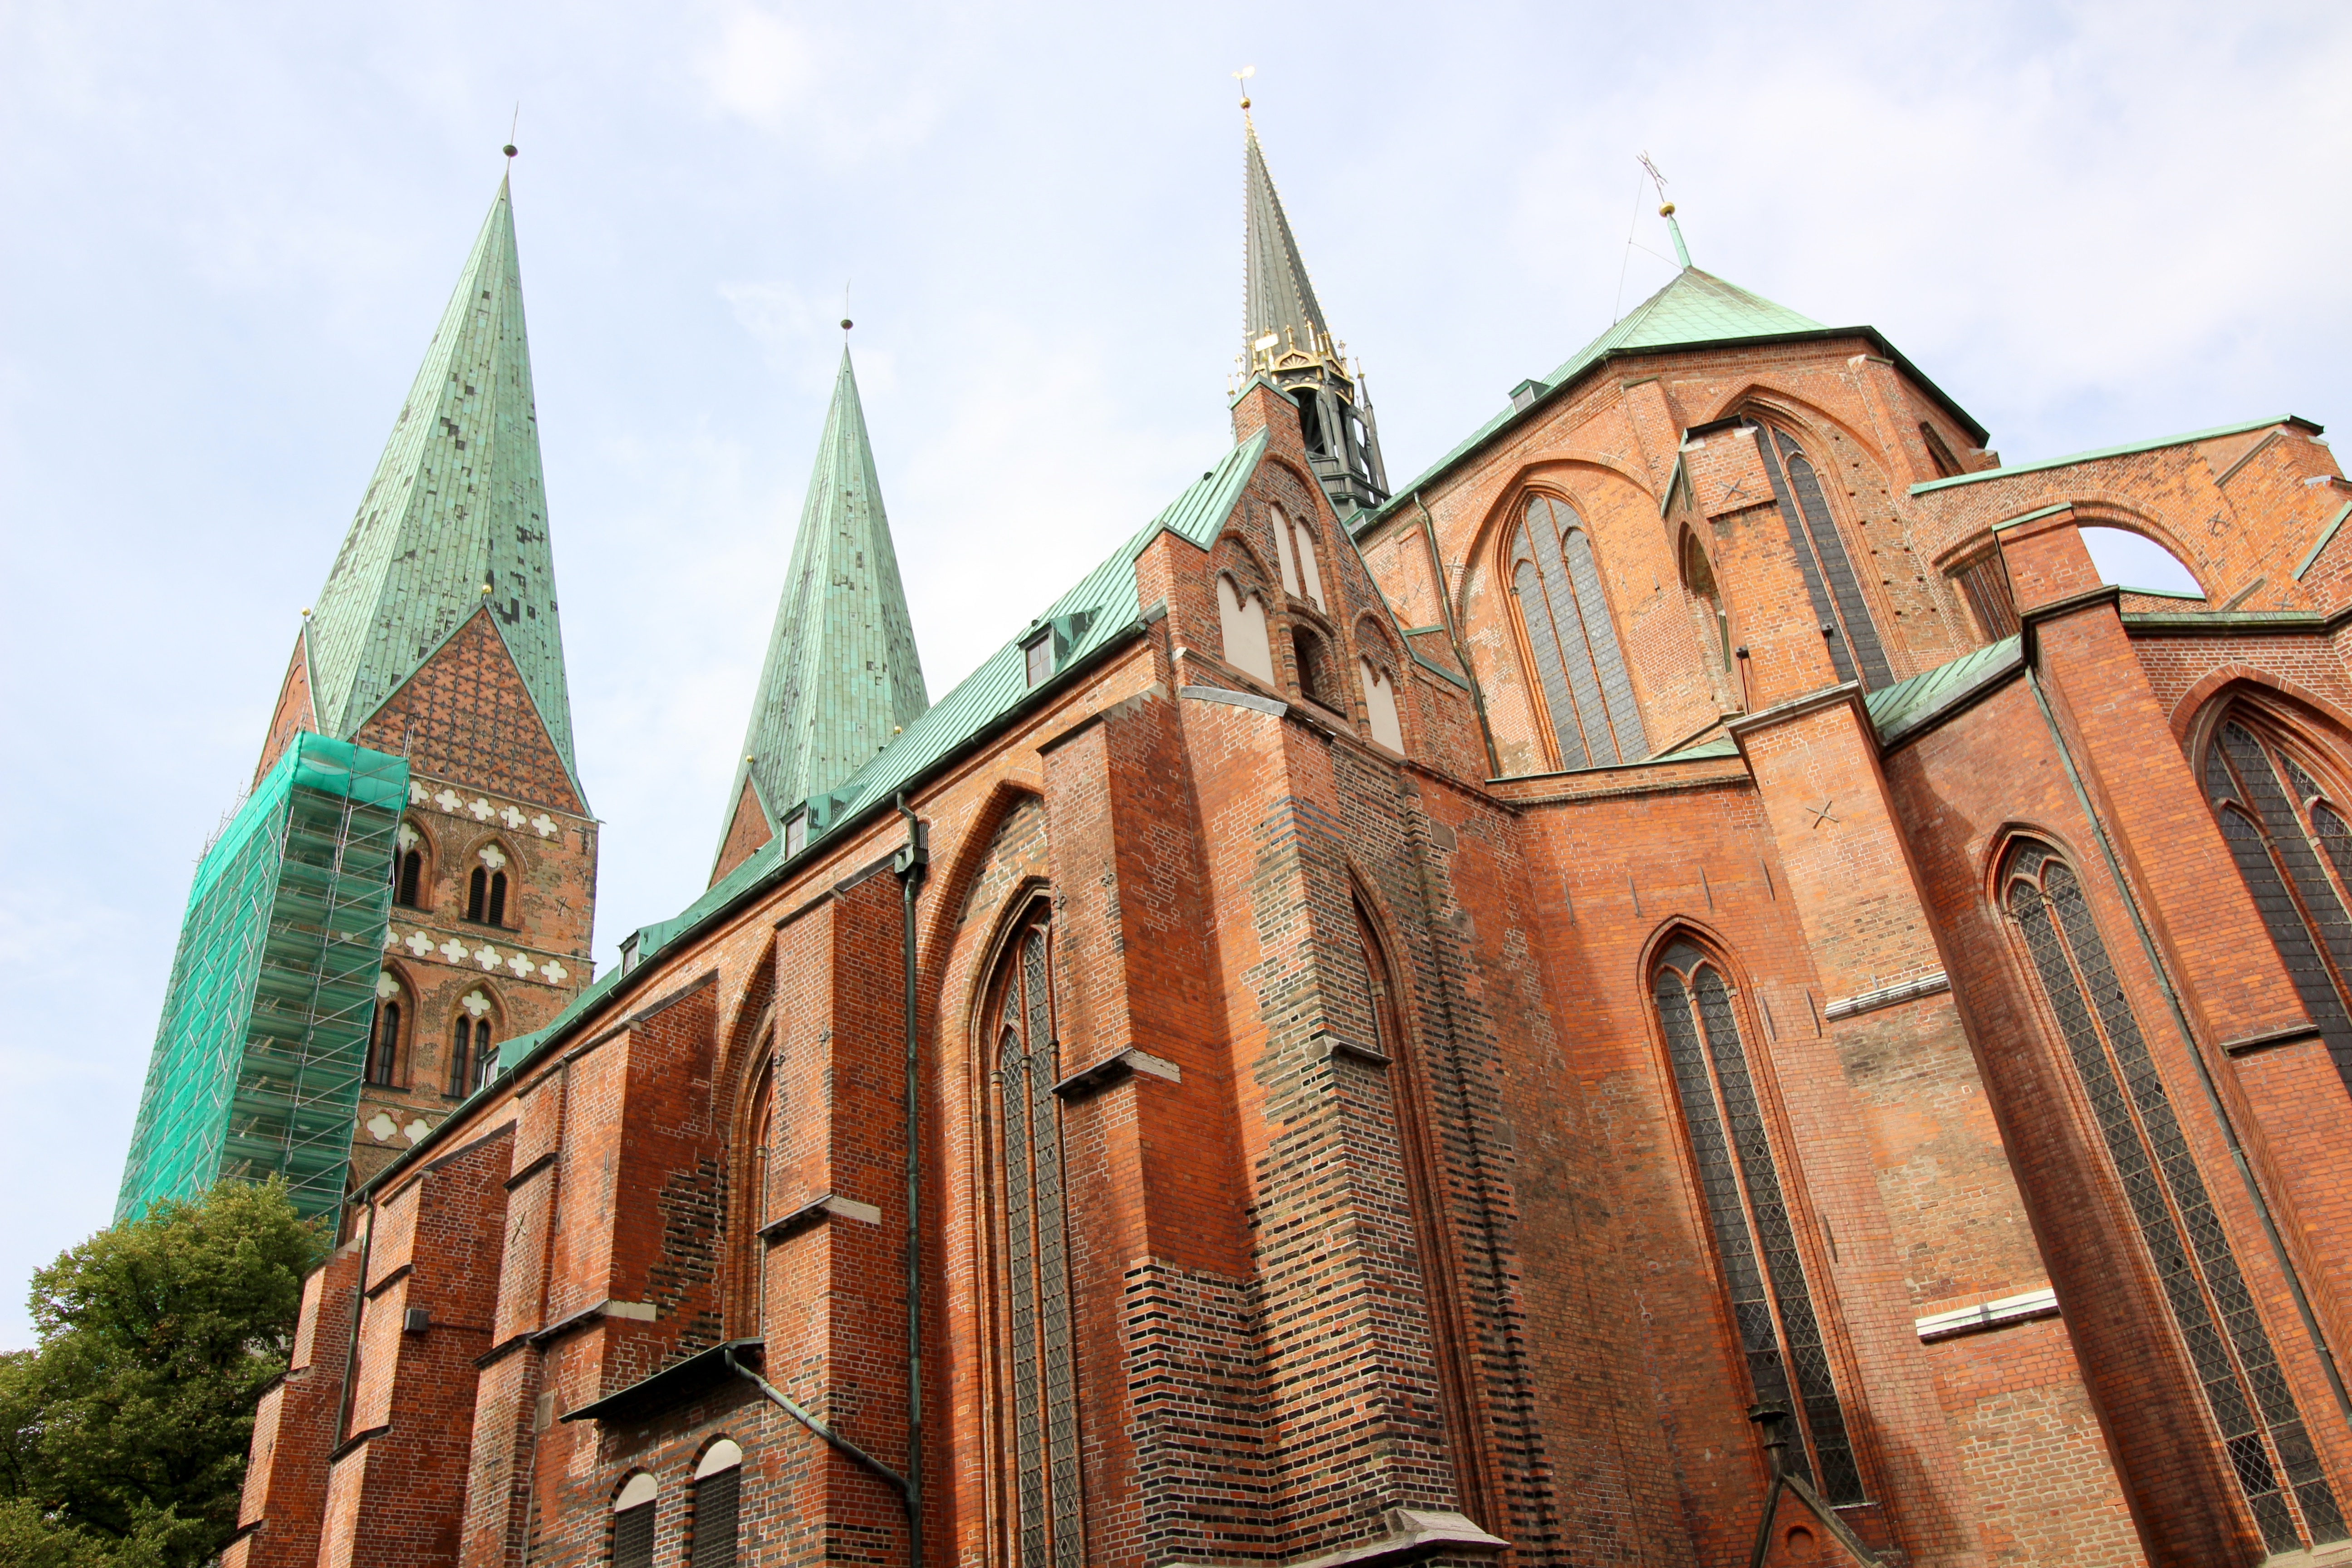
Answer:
(455, 519)
(842, 675)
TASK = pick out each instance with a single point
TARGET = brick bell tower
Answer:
(435, 639)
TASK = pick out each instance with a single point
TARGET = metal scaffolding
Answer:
(263, 1042)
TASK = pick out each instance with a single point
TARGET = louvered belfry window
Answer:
(1830, 582)
(2294, 848)
(1748, 1210)
(2271, 1454)
(1040, 1393)
(1579, 665)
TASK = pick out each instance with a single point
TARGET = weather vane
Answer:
(1665, 207)
(1243, 76)
(510, 148)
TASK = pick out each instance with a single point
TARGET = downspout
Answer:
(909, 865)
(359, 1305)
(2196, 1054)
(1453, 636)
(791, 1407)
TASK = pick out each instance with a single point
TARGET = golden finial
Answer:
(1665, 208)
(1243, 77)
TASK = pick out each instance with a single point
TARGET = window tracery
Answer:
(1037, 1352)
(1755, 1243)
(1587, 693)
(2276, 1467)
(1829, 580)
(2291, 839)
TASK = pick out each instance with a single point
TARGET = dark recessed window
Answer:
(477, 893)
(384, 1051)
(1580, 667)
(1984, 582)
(411, 867)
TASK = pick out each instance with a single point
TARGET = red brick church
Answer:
(1690, 986)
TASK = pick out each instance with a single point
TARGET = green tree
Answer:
(123, 1436)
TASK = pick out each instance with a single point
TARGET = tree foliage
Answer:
(123, 1436)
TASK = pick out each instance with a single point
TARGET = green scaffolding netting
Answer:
(264, 1036)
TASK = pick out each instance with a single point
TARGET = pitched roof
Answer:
(1276, 293)
(1694, 309)
(842, 675)
(455, 517)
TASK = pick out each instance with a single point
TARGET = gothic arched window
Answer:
(1315, 677)
(1747, 1209)
(410, 869)
(1836, 593)
(486, 887)
(2219, 1326)
(1241, 616)
(470, 1055)
(1040, 1373)
(384, 1049)
(1579, 665)
(1293, 546)
(2293, 847)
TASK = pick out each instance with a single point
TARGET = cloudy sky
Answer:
(230, 230)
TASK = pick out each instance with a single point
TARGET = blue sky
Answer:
(231, 230)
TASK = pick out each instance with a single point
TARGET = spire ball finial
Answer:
(1667, 210)
(509, 149)
(847, 324)
(1243, 75)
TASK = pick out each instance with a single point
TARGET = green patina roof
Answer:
(842, 676)
(1695, 308)
(1276, 293)
(456, 504)
(1904, 708)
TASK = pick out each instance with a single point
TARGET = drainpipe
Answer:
(1453, 636)
(909, 865)
(2196, 1054)
(359, 1305)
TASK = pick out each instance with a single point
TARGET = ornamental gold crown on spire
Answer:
(1286, 340)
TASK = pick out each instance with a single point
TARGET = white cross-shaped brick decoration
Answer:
(512, 817)
(474, 1002)
(454, 951)
(480, 809)
(553, 973)
(493, 857)
(488, 957)
(521, 966)
(543, 825)
(448, 800)
(419, 944)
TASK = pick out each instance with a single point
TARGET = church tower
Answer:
(1287, 340)
(842, 675)
(411, 881)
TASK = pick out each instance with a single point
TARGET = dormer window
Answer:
(1037, 655)
(795, 833)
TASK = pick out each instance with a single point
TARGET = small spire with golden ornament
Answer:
(1666, 210)
(1243, 76)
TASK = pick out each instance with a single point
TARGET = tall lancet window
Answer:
(1829, 580)
(2271, 1454)
(1040, 1408)
(1755, 1237)
(2295, 849)
(1579, 665)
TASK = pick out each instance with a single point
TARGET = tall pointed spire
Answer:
(1285, 338)
(454, 520)
(842, 675)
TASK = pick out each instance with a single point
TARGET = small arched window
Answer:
(1294, 543)
(1748, 1207)
(1837, 594)
(1241, 615)
(471, 1053)
(383, 1047)
(1580, 668)
(486, 888)
(1315, 683)
(2294, 848)
(633, 1523)
(1381, 706)
(2221, 1327)
(1039, 1359)
(718, 1500)
(408, 866)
